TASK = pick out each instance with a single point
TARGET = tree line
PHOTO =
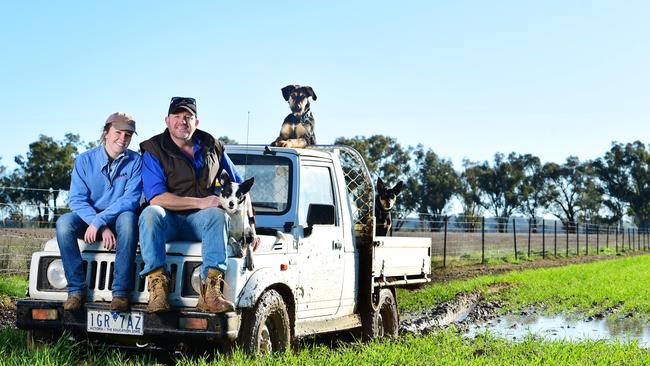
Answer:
(599, 191)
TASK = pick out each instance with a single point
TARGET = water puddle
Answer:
(517, 327)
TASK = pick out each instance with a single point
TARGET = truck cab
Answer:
(319, 267)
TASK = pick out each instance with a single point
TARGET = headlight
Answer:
(56, 275)
(196, 279)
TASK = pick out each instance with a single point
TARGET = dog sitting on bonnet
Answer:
(236, 201)
(297, 130)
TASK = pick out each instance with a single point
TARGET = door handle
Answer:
(337, 244)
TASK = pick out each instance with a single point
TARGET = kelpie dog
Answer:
(236, 201)
(297, 130)
(384, 202)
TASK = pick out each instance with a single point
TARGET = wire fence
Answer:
(484, 240)
(453, 241)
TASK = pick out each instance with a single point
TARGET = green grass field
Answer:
(584, 289)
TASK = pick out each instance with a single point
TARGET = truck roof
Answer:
(321, 151)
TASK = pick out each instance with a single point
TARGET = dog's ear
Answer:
(287, 90)
(398, 187)
(224, 179)
(310, 92)
(380, 185)
(246, 186)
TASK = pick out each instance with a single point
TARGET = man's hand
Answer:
(256, 242)
(91, 234)
(209, 201)
(109, 239)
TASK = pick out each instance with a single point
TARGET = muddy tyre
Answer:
(384, 322)
(266, 327)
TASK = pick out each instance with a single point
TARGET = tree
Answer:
(565, 184)
(624, 172)
(497, 186)
(383, 155)
(431, 186)
(227, 140)
(46, 169)
(531, 189)
(469, 196)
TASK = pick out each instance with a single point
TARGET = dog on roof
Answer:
(297, 130)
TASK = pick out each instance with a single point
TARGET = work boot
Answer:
(120, 304)
(158, 289)
(211, 300)
(74, 302)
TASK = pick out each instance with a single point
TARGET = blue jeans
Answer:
(71, 227)
(158, 226)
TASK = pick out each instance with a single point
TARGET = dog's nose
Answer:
(231, 204)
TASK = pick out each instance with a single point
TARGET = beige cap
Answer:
(121, 121)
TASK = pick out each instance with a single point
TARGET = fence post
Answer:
(514, 236)
(598, 239)
(607, 239)
(566, 231)
(444, 246)
(529, 223)
(623, 241)
(555, 238)
(587, 238)
(577, 239)
(543, 238)
(482, 239)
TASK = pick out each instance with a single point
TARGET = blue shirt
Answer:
(100, 189)
(155, 181)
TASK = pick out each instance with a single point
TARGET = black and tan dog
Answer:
(298, 127)
(384, 203)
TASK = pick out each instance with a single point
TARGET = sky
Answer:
(466, 79)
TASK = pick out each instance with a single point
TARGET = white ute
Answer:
(319, 267)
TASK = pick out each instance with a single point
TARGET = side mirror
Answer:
(319, 214)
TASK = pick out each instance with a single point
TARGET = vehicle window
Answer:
(315, 187)
(271, 193)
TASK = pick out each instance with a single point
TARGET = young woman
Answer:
(104, 195)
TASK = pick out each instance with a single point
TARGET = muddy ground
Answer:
(463, 310)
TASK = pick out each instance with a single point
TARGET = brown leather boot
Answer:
(158, 290)
(211, 300)
(120, 304)
(74, 302)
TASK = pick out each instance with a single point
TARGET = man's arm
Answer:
(155, 189)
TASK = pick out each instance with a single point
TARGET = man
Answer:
(105, 191)
(180, 168)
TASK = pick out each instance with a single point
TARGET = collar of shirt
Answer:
(106, 164)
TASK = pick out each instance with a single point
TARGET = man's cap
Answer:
(121, 121)
(178, 104)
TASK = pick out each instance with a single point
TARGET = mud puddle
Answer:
(472, 316)
(518, 327)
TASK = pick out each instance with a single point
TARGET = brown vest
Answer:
(179, 170)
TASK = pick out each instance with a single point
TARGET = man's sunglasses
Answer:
(183, 100)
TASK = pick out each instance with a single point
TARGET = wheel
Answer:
(266, 327)
(383, 322)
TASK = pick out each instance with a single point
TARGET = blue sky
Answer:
(464, 78)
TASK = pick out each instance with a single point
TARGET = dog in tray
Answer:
(236, 201)
(384, 203)
(297, 130)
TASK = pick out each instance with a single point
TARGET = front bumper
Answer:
(159, 329)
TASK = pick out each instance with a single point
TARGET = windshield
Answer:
(271, 192)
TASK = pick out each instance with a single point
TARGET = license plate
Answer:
(104, 321)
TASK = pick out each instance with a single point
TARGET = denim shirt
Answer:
(100, 190)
